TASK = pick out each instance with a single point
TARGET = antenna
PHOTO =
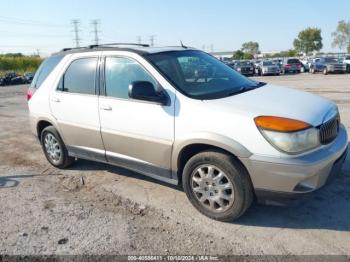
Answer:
(182, 45)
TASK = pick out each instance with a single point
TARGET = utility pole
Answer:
(151, 39)
(76, 30)
(139, 40)
(211, 48)
(95, 24)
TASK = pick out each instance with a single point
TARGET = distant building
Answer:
(224, 55)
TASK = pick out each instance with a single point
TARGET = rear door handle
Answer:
(55, 99)
(106, 108)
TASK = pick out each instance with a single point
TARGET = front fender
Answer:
(211, 139)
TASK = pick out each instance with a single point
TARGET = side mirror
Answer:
(144, 90)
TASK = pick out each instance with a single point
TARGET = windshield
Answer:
(293, 61)
(199, 75)
(267, 63)
(243, 64)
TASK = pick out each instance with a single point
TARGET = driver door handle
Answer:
(106, 107)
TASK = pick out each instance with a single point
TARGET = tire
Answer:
(237, 195)
(325, 71)
(54, 149)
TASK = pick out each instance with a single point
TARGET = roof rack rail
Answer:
(116, 44)
(71, 48)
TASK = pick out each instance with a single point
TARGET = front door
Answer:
(136, 134)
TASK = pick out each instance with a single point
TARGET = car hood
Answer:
(334, 64)
(245, 66)
(279, 101)
(270, 66)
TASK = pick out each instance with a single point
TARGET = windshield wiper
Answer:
(242, 90)
(260, 84)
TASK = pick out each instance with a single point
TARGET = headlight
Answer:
(288, 135)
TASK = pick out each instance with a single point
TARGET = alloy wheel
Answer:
(53, 148)
(212, 188)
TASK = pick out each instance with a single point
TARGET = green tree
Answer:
(341, 37)
(308, 40)
(248, 56)
(238, 55)
(250, 47)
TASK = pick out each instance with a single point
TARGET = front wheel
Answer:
(54, 148)
(217, 185)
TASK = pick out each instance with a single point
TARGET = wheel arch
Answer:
(42, 123)
(186, 148)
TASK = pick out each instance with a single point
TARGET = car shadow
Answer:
(12, 181)
(328, 208)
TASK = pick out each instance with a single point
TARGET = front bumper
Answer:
(299, 175)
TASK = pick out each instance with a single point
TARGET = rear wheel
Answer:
(217, 185)
(54, 148)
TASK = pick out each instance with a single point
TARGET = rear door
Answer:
(74, 103)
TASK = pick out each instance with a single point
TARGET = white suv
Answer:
(181, 116)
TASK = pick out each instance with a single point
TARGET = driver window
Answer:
(120, 73)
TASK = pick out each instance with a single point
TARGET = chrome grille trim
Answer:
(329, 130)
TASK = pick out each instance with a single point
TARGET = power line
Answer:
(76, 39)
(26, 34)
(95, 24)
(19, 21)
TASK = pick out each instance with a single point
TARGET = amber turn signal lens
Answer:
(280, 124)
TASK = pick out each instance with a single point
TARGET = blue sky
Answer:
(26, 26)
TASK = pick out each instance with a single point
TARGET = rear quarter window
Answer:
(44, 70)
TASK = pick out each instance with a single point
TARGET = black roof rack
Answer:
(104, 45)
(116, 44)
(71, 48)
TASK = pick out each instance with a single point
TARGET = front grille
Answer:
(329, 130)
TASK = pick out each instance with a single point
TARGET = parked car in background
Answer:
(2, 81)
(346, 61)
(267, 67)
(278, 62)
(244, 67)
(11, 78)
(28, 78)
(291, 65)
(305, 65)
(327, 65)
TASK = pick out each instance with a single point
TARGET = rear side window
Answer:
(44, 70)
(80, 77)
